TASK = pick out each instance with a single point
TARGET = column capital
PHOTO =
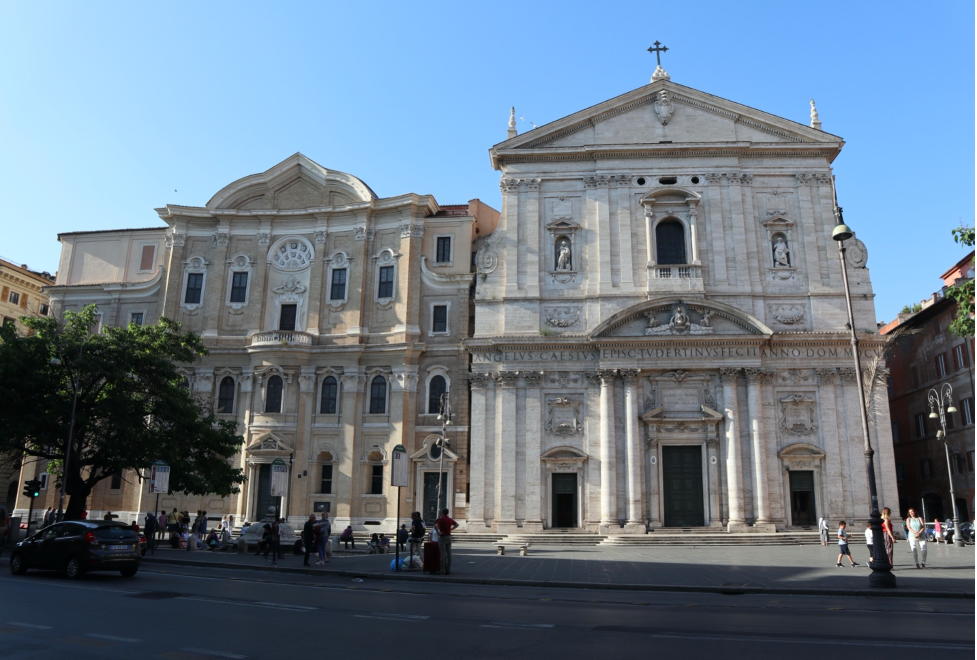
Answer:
(507, 378)
(607, 376)
(629, 376)
(755, 375)
(479, 380)
(728, 375)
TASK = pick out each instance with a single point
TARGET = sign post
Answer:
(398, 477)
(159, 482)
(279, 481)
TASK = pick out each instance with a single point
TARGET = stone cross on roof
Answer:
(659, 73)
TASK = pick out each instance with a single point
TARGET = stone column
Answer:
(712, 456)
(734, 460)
(351, 415)
(608, 459)
(597, 220)
(534, 432)
(654, 478)
(716, 251)
(505, 459)
(509, 223)
(742, 228)
(754, 380)
(529, 243)
(476, 478)
(626, 231)
(636, 514)
(317, 291)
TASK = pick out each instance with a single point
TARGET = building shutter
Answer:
(23, 300)
(5, 294)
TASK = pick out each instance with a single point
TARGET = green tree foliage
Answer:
(133, 405)
(963, 293)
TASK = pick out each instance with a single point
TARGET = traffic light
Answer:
(32, 488)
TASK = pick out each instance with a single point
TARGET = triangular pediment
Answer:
(669, 118)
(269, 443)
(297, 182)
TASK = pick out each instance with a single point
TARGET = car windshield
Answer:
(114, 533)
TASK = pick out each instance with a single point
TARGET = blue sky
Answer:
(111, 109)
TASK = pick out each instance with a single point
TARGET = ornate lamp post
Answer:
(445, 418)
(881, 568)
(941, 402)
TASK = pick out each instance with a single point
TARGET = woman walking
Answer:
(917, 537)
(887, 533)
(823, 530)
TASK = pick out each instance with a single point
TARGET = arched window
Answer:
(670, 240)
(330, 393)
(273, 395)
(435, 389)
(225, 395)
(378, 396)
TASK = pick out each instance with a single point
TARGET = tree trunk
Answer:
(77, 492)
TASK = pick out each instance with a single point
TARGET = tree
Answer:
(963, 293)
(133, 406)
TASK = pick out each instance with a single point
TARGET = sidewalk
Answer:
(785, 569)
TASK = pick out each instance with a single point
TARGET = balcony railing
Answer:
(281, 338)
(676, 272)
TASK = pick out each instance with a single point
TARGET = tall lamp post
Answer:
(881, 575)
(941, 402)
(445, 418)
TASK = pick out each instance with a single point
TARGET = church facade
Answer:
(661, 335)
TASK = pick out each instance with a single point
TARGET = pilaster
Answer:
(635, 523)
(734, 460)
(477, 432)
(533, 424)
(506, 453)
(608, 459)
(754, 381)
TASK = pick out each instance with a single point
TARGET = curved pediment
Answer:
(675, 317)
(295, 183)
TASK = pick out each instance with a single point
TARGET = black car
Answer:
(79, 546)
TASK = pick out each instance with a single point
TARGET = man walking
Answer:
(444, 525)
(308, 538)
(324, 530)
(149, 530)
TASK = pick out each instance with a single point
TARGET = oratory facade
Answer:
(660, 326)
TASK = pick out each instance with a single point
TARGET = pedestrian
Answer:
(887, 533)
(265, 542)
(108, 516)
(308, 538)
(843, 545)
(161, 522)
(324, 539)
(444, 525)
(869, 537)
(937, 531)
(276, 541)
(149, 528)
(948, 530)
(417, 532)
(203, 523)
(823, 530)
(917, 538)
(402, 535)
(48, 516)
(230, 523)
(347, 537)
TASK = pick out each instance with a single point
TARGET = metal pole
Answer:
(881, 568)
(941, 401)
(445, 420)
(397, 534)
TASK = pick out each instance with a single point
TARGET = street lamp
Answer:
(881, 568)
(445, 418)
(941, 402)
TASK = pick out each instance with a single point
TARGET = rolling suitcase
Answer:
(432, 558)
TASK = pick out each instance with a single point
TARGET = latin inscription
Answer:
(671, 352)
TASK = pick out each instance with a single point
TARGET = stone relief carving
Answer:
(599, 181)
(565, 379)
(533, 184)
(359, 234)
(847, 375)
(856, 255)
(679, 323)
(488, 255)
(786, 314)
(823, 178)
(176, 239)
(292, 254)
(564, 467)
(562, 209)
(561, 317)
(776, 204)
(221, 238)
(264, 238)
(781, 253)
(623, 179)
(411, 231)
(728, 375)
(713, 177)
(564, 417)
(320, 236)
(803, 179)
(826, 375)
(684, 427)
(533, 378)
(509, 185)
(664, 107)
(754, 375)
(798, 415)
(592, 378)
(290, 290)
(508, 378)
(795, 376)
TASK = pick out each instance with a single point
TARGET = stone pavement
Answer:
(802, 569)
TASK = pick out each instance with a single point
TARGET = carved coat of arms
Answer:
(564, 417)
(798, 415)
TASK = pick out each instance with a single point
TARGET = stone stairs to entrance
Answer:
(696, 536)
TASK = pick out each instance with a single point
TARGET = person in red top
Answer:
(444, 525)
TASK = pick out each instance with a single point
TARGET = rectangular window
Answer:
(914, 375)
(136, 318)
(970, 461)
(14, 298)
(386, 287)
(926, 467)
(957, 463)
(147, 258)
(439, 322)
(900, 472)
(948, 418)
(44, 309)
(8, 321)
(921, 425)
(195, 284)
(960, 357)
(895, 432)
(325, 484)
(443, 255)
(967, 410)
(287, 319)
(239, 287)
(376, 480)
(116, 481)
(43, 477)
(337, 291)
(941, 365)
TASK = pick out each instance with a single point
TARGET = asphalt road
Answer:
(189, 612)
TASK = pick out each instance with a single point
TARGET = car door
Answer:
(43, 549)
(66, 543)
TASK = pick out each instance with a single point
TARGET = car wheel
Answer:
(129, 572)
(17, 565)
(73, 569)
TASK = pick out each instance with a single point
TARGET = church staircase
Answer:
(692, 537)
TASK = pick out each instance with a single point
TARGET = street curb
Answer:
(499, 582)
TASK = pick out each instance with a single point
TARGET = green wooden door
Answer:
(682, 482)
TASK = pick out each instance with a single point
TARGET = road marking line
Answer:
(395, 615)
(113, 638)
(274, 606)
(797, 640)
(28, 625)
(287, 606)
(219, 654)
(517, 624)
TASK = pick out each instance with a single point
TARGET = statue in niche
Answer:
(781, 253)
(563, 256)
